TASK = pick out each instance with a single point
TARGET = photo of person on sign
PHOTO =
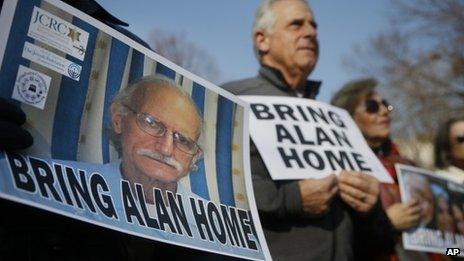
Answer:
(155, 128)
(421, 190)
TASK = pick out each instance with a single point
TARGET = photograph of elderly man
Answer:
(155, 128)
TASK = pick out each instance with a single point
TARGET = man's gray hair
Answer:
(264, 17)
(265, 20)
(132, 98)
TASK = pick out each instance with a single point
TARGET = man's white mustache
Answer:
(162, 158)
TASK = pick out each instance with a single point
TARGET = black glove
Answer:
(12, 136)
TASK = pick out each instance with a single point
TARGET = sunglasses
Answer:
(460, 138)
(373, 106)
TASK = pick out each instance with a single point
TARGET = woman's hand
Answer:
(404, 215)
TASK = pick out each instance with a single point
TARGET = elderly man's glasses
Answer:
(156, 128)
(373, 106)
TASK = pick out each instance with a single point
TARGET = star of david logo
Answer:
(73, 34)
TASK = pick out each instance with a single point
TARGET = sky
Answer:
(223, 29)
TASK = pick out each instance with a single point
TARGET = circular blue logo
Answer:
(74, 71)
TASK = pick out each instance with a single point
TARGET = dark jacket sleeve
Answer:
(276, 199)
(374, 235)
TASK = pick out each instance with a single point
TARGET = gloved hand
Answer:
(12, 136)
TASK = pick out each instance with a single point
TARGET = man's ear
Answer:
(261, 41)
(197, 156)
(116, 118)
(195, 159)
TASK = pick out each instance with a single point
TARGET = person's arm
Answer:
(373, 233)
(290, 199)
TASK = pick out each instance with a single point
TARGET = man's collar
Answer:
(276, 78)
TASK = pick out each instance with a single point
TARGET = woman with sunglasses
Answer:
(449, 150)
(372, 115)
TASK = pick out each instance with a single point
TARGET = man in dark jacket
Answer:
(310, 219)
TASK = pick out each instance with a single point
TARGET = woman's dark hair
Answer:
(442, 143)
(349, 96)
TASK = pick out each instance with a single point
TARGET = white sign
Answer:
(31, 87)
(301, 138)
(212, 208)
(52, 61)
(58, 33)
(441, 223)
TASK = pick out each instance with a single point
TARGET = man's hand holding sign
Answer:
(317, 194)
(359, 190)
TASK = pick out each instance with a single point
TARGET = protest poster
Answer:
(301, 138)
(112, 153)
(441, 224)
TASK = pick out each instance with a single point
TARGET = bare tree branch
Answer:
(184, 53)
(420, 63)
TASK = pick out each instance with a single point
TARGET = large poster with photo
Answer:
(441, 224)
(123, 138)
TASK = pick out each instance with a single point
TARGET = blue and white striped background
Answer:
(73, 124)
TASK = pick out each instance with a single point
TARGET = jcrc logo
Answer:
(58, 33)
(55, 25)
